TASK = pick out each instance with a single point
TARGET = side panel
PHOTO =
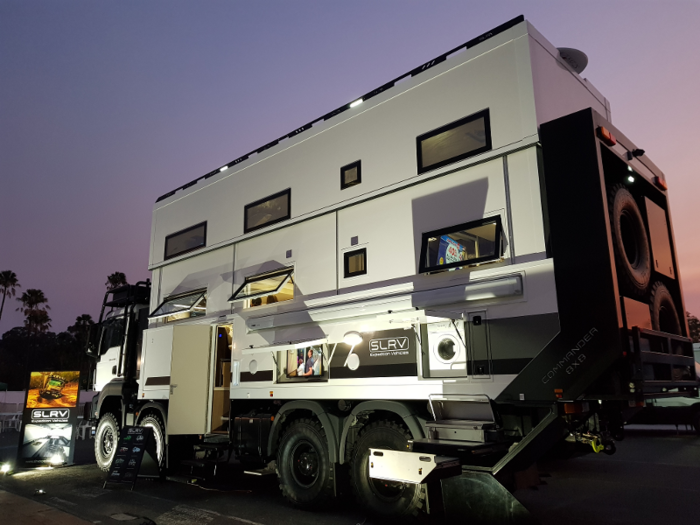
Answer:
(189, 385)
(154, 382)
(213, 271)
(391, 227)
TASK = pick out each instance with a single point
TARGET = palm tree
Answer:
(81, 329)
(37, 321)
(115, 280)
(34, 306)
(8, 283)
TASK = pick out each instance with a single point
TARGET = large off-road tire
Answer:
(664, 316)
(631, 245)
(106, 440)
(303, 465)
(378, 497)
(154, 422)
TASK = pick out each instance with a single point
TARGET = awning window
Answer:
(265, 284)
(193, 303)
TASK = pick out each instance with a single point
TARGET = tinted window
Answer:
(350, 175)
(269, 210)
(355, 262)
(186, 240)
(455, 141)
(266, 288)
(462, 245)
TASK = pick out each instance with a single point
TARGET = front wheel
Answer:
(303, 465)
(380, 497)
(106, 440)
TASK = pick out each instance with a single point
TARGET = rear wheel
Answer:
(664, 316)
(106, 440)
(383, 498)
(154, 422)
(303, 465)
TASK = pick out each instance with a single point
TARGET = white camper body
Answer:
(402, 269)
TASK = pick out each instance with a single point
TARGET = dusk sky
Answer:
(106, 105)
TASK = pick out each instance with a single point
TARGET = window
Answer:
(466, 244)
(355, 263)
(269, 210)
(456, 141)
(350, 175)
(182, 306)
(186, 240)
(266, 288)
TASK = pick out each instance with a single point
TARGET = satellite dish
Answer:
(576, 58)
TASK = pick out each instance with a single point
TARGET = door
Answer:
(189, 380)
(479, 348)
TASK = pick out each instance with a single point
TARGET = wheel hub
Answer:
(108, 442)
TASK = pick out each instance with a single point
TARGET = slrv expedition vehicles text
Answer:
(419, 292)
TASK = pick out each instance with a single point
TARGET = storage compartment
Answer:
(251, 434)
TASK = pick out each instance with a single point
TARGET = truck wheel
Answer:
(384, 498)
(303, 465)
(630, 239)
(106, 440)
(664, 316)
(154, 422)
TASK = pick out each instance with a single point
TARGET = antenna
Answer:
(576, 58)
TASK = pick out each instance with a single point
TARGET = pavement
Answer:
(24, 511)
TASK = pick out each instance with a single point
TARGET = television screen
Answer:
(305, 362)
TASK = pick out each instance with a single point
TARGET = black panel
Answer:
(260, 375)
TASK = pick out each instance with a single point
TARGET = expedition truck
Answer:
(415, 294)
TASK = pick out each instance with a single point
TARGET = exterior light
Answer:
(5, 468)
(224, 168)
(56, 460)
(352, 338)
(356, 103)
(630, 178)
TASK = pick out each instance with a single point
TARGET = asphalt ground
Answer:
(654, 478)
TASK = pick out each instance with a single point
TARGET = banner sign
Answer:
(49, 420)
(386, 353)
(135, 457)
(450, 251)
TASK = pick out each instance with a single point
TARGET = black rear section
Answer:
(617, 279)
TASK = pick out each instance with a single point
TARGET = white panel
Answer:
(213, 271)
(381, 132)
(390, 227)
(525, 203)
(558, 90)
(189, 380)
(313, 255)
(155, 361)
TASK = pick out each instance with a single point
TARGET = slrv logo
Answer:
(50, 414)
(389, 346)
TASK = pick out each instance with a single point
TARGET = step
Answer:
(464, 430)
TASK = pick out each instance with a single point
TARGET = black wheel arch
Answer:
(397, 410)
(153, 407)
(330, 422)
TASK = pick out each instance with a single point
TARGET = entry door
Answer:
(479, 348)
(189, 380)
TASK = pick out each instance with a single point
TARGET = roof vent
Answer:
(576, 58)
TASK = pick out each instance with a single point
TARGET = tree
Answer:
(34, 306)
(81, 329)
(8, 283)
(115, 280)
(693, 327)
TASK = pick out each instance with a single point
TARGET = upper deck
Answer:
(511, 71)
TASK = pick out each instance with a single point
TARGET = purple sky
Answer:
(105, 105)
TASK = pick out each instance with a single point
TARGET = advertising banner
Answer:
(385, 353)
(49, 420)
(135, 457)
(450, 251)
